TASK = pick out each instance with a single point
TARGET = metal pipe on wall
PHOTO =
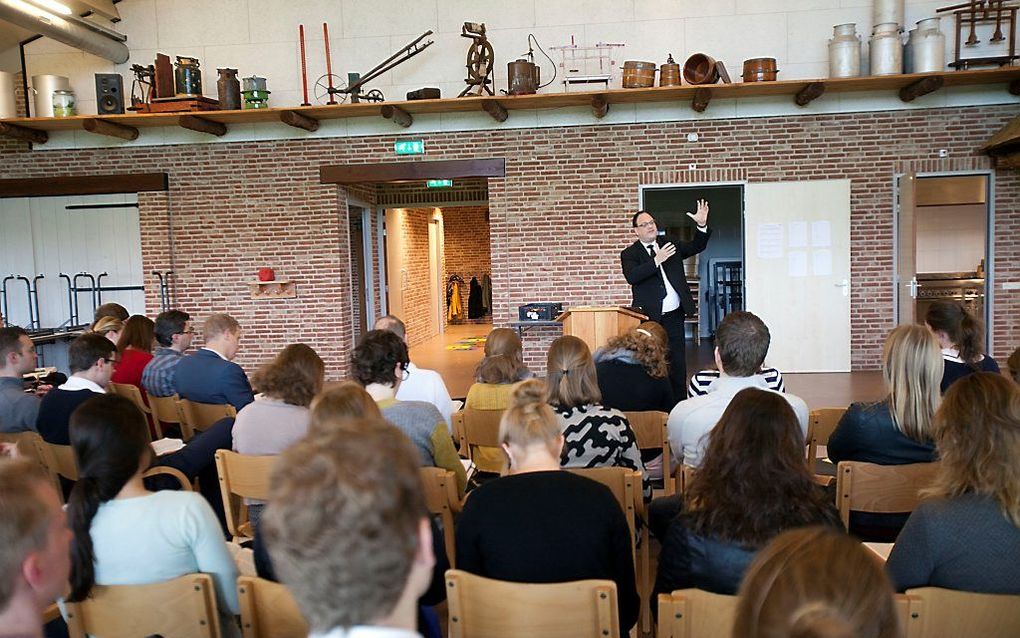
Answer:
(72, 32)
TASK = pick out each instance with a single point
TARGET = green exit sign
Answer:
(409, 147)
(439, 183)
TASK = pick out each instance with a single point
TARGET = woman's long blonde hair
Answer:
(977, 432)
(571, 374)
(504, 358)
(912, 368)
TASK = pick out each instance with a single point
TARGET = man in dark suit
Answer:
(654, 268)
(210, 375)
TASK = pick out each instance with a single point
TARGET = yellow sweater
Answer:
(489, 396)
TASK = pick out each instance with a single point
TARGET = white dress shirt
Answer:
(426, 385)
(74, 384)
(365, 631)
(672, 300)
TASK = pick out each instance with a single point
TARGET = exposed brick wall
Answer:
(418, 312)
(466, 250)
(20, 105)
(235, 207)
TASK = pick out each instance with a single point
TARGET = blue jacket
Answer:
(207, 377)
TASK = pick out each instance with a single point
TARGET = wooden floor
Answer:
(457, 367)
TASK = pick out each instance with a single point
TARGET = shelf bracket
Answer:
(496, 110)
(23, 133)
(298, 120)
(113, 129)
(924, 86)
(397, 114)
(599, 105)
(202, 125)
(1014, 87)
(701, 99)
(812, 91)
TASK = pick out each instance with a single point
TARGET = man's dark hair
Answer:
(87, 349)
(111, 309)
(376, 357)
(743, 341)
(393, 324)
(633, 219)
(168, 324)
(10, 341)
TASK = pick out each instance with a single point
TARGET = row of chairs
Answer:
(189, 416)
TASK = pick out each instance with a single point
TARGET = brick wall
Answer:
(466, 249)
(235, 207)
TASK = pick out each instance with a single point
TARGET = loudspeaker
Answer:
(109, 93)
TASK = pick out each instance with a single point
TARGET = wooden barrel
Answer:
(669, 74)
(638, 75)
(701, 69)
(760, 70)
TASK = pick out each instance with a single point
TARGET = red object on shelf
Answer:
(266, 274)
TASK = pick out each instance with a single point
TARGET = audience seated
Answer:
(500, 368)
(111, 310)
(741, 343)
(961, 336)
(35, 547)
(19, 410)
(420, 384)
(173, 333)
(540, 524)
(594, 435)
(967, 535)
(210, 375)
(1013, 363)
(109, 327)
(815, 583)
(896, 430)
(701, 381)
(347, 530)
(125, 534)
(135, 350)
(379, 362)
(633, 370)
(752, 485)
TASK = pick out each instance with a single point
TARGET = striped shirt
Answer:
(701, 382)
(159, 378)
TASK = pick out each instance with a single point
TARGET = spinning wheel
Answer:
(480, 60)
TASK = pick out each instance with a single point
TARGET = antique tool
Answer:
(329, 85)
(188, 77)
(304, 66)
(980, 12)
(228, 89)
(638, 74)
(164, 77)
(480, 60)
(701, 69)
(972, 38)
(997, 36)
(329, 65)
(524, 76)
(425, 93)
(256, 94)
(760, 70)
(669, 73)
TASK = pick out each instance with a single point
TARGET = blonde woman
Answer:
(109, 327)
(594, 435)
(540, 524)
(815, 583)
(967, 536)
(633, 370)
(896, 430)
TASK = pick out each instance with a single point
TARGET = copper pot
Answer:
(523, 77)
(638, 75)
(701, 69)
(760, 70)
(669, 73)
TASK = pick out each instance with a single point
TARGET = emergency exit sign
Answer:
(439, 183)
(409, 147)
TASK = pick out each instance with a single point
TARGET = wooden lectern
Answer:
(595, 325)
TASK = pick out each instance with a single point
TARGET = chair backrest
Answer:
(242, 476)
(880, 489)
(201, 416)
(165, 410)
(133, 394)
(268, 610)
(821, 424)
(58, 459)
(172, 472)
(442, 499)
(651, 433)
(184, 606)
(31, 446)
(684, 474)
(496, 609)
(479, 427)
(943, 613)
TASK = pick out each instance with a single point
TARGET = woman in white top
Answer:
(126, 535)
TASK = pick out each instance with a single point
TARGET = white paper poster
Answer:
(798, 235)
(821, 265)
(770, 241)
(821, 234)
(798, 263)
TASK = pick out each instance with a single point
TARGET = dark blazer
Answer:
(646, 284)
(208, 378)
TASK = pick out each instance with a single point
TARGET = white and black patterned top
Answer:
(701, 382)
(597, 436)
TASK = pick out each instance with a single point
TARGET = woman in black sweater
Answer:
(633, 370)
(961, 336)
(541, 524)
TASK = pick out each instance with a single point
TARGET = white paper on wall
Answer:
(798, 263)
(821, 234)
(798, 235)
(770, 241)
(821, 262)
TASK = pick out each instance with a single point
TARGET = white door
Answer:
(396, 273)
(797, 259)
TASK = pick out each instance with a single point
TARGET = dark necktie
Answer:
(651, 252)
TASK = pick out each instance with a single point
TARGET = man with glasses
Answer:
(18, 409)
(654, 268)
(92, 359)
(173, 333)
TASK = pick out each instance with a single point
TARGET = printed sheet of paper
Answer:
(798, 263)
(798, 235)
(770, 241)
(821, 234)
(821, 262)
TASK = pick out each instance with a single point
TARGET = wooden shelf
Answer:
(277, 289)
(307, 117)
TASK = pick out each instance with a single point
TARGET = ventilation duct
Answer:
(71, 30)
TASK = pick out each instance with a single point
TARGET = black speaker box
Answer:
(109, 93)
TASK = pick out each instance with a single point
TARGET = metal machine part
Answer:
(329, 86)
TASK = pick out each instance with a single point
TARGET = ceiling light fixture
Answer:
(53, 5)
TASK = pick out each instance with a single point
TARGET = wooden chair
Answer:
(268, 610)
(943, 613)
(29, 445)
(478, 428)
(821, 424)
(651, 433)
(170, 471)
(184, 607)
(132, 393)
(165, 410)
(58, 459)
(682, 476)
(880, 489)
(441, 499)
(201, 416)
(485, 608)
(242, 476)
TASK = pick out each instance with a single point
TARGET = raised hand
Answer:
(701, 217)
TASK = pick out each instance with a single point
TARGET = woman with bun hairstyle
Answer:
(966, 535)
(816, 583)
(633, 370)
(961, 336)
(540, 524)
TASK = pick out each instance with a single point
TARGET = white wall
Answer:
(259, 37)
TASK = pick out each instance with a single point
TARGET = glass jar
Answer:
(63, 103)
